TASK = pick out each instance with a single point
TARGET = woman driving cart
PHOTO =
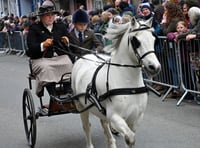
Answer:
(48, 63)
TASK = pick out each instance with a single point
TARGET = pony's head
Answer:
(135, 42)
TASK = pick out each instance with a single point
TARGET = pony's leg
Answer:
(121, 126)
(132, 125)
(86, 127)
(107, 132)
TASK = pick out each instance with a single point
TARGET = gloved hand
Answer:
(47, 43)
(64, 40)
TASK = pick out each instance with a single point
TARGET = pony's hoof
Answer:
(130, 141)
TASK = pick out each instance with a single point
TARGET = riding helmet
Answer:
(80, 16)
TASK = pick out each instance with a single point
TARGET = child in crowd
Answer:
(117, 19)
(105, 22)
(181, 27)
(95, 23)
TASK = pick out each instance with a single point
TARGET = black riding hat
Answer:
(80, 16)
(48, 6)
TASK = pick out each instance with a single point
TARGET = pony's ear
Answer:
(149, 22)
(133, 21)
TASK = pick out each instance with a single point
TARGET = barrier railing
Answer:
(17, 42)
(12, 42)
(180, 62)
(189, 60)
(4, 43)
(166, 52)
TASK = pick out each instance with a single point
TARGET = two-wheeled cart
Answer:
(61, 103)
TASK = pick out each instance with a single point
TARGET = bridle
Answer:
(135, 46)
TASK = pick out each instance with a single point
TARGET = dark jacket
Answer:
(38, 33)
(90, 42)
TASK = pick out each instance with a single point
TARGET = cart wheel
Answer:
(29, 117)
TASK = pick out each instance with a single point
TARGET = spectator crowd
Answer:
(118, 12)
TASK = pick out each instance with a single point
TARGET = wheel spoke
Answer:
(29, 117)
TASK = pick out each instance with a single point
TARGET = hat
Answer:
(117, 17)
(48, 6)
(80, 16)
(145, 5)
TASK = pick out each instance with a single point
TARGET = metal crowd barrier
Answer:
(4, 43)
(189, 59)
(12, 42)
(180, 62)
(17, 42)
(166, 52)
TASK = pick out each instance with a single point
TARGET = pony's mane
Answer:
(114, 34)
(116, 30)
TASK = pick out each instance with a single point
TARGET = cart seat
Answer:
(62, 87)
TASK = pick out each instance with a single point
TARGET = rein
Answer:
(95, 53)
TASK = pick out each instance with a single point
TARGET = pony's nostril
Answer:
(152, 67)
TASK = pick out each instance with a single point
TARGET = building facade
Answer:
(25, 7)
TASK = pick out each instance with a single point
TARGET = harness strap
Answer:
(119, 91)
(107, 79)
(123, 91)
(145, 55)
(91, 91)
(92, 95)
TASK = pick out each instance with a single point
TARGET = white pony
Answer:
(115, 87)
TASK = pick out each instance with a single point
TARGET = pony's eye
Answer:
(135, 43)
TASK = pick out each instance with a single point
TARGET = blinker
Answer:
(135, 43)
